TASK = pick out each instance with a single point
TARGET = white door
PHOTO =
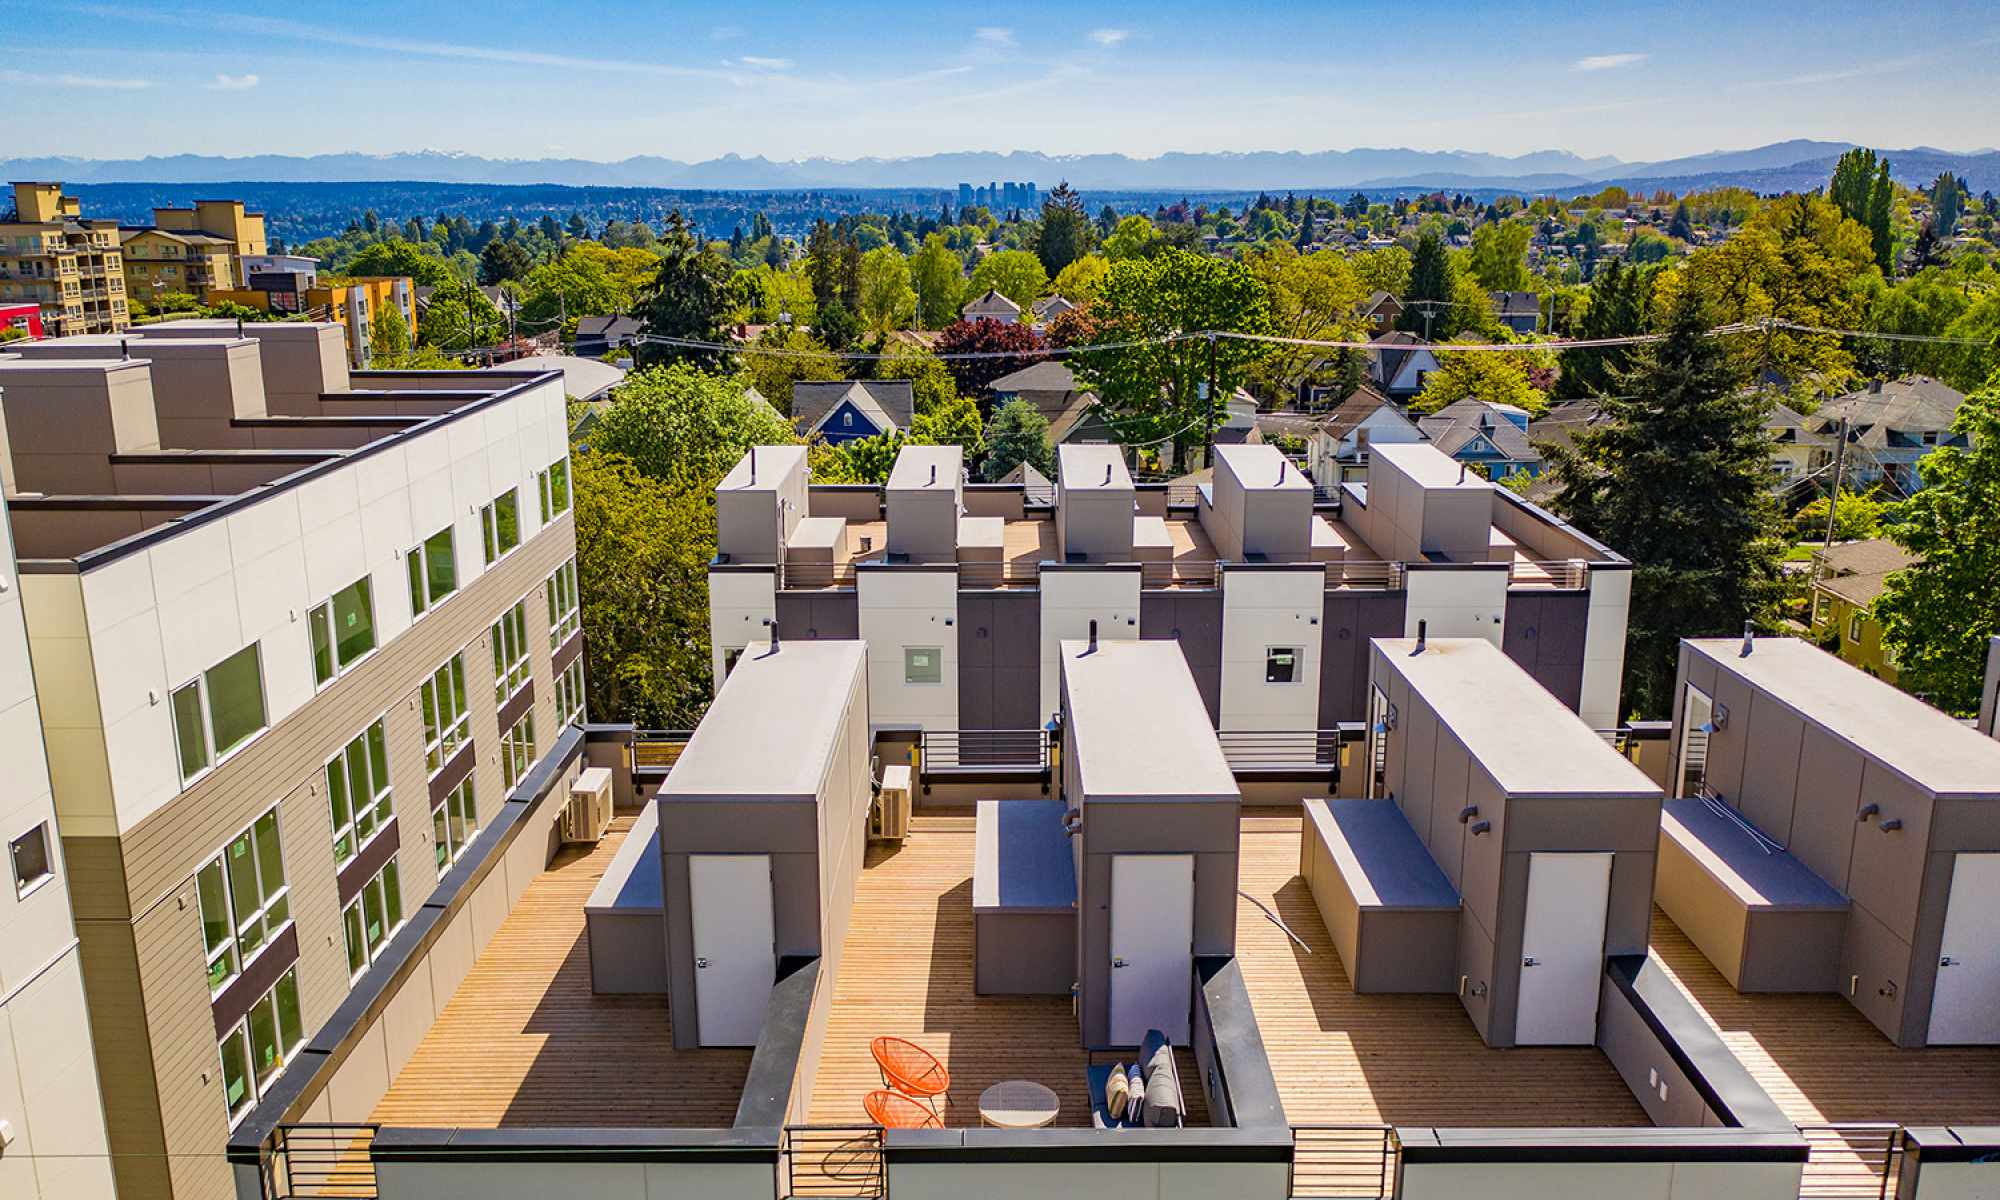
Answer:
(1152, 946)
(735, 959)
(1965, 1008)
(1562, 949)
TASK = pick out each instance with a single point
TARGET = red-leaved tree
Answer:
(1014, 346)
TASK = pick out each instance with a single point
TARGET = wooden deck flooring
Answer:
(906, 970)
(1340, 1057)
(1822, 1061)
(524, 1041)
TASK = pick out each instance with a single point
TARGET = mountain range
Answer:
(1789, 165)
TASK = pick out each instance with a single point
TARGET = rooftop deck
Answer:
(1345, 1058)
(525, 1042)
(906, 970)
(1821, 1060)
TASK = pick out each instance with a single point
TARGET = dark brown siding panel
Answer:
(836, 616)
(517, 704)
(1351, 618)
(567, 653)
(1193, 619)
(362, 867)
(259, 977)
(1017, 660)
(453, 772)
(975, 660)
(1544, 636)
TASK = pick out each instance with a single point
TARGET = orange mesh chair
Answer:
(894, 1110)
(910, 1069)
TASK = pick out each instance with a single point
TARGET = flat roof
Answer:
(1526, 739)
(15, 363)
(927, 468)
(771, 729)
(773, 464)
(1426, 464)
(112, 345)
(1137, 725)
(1923, 745)
(1262, 468)
(207, 327)
(1083, 465)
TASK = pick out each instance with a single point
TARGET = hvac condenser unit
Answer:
(891, 818)
(588, 813)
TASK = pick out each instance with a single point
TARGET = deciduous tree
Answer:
(677, 418)
(1015, 274)
(1018, 433)
(1015, 345)
(938, 276)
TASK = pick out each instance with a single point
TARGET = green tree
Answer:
(1499, 258)
(388, 338)
(1675, 478)
(1078, 282)
(1384, 270)
(460, 317)
(1861, 189)
(1160, 392)
(1015, 274)
(793, 356)
(931, 382)
(1066, 233)
(501, 261)
(1859, 518)
(643, 546)
(1947, 202)
(687, 296)
(1134, 237)
(398, 257)
(1499, 378)
(888, 301)
(1616, 307)
(953, 423)
(1881, 203)
(1681, 226)
(1428, 308)
(678, 419)
(938, 277)
(1938, 615)
(1018, 433)
(1313, 297)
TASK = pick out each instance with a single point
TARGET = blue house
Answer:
(1493, 437)
(847, 410)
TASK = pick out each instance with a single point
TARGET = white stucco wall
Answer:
(1457, 602)
(739, 603)
(903, 608)
(1263, 608)
(1071, 599)
(1604, 648)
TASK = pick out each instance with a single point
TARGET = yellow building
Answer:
(52, 255)
(198, 250)
(356, 302)
(1847, 578)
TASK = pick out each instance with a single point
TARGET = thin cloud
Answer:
(1812, 77)
(723, 33)
(758, 62)
(232, 83)
(1606, 62)
(1110, 37)
(96, 82)
(994, 35)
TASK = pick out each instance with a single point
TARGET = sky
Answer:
(608, 79)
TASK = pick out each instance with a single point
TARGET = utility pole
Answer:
(1208, 432)
(1839, 464)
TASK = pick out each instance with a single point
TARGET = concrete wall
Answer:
(1265, 607)
(1536, 1174)
(199, 385)
(923, 497)
(301, 360)
(740, 601)
(1949, 1163)
(66, 419)
(1457, 601)
(903, 606)
(1603, 679)
(759, 502)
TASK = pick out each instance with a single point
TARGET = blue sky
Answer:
(606, 79)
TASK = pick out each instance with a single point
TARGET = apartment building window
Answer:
(261, 1044)
(510, 652)
(373, 917)
(569, 692)
(500, 524)
(1281, 664)
(244, 901)
(517, 749)
(923, 664)
(218, 711)
(554, 487)
(30, 856)
(433, 572)
(342, 629)
(447, 720)
(357, 790)
(454, 822)
(564, 612)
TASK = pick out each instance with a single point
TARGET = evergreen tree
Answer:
(1617, 308)
(1681, 226)
(578, 228)
(1881, 200)
(1675, 479)
(1853, 183)
(687, 298)
(1947, 202)
(1924, 251)
(1307, 233)
(1018, 433)
(1428, 304)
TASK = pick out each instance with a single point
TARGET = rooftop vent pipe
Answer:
(1107, 474)
(753, 464)
(775, 644)
(1093, 637)
(1423, 630)
(1461, 472)
(1749, 643)
(124, 348)
(1282, 464)
(933, 482)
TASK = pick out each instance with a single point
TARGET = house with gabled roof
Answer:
(1890, 426)
(1480, 433)
(1399, 363)
(847, 410)
(991, 307)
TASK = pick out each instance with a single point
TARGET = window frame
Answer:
(213, 753)
(24, 888)
(570, 702)
(554, 505)
(518, 750)
(507, 634)
(564, 623)
(235, 923)
(381, 802)
(443, 849)
(442, 739)
(324, 611)
(418, 566)
(1294, 654)
(937, 651)
(491, 529)
(357, 908)
(287, 1046)
(1854, 627)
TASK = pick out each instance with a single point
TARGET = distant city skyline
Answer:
(619, 78)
